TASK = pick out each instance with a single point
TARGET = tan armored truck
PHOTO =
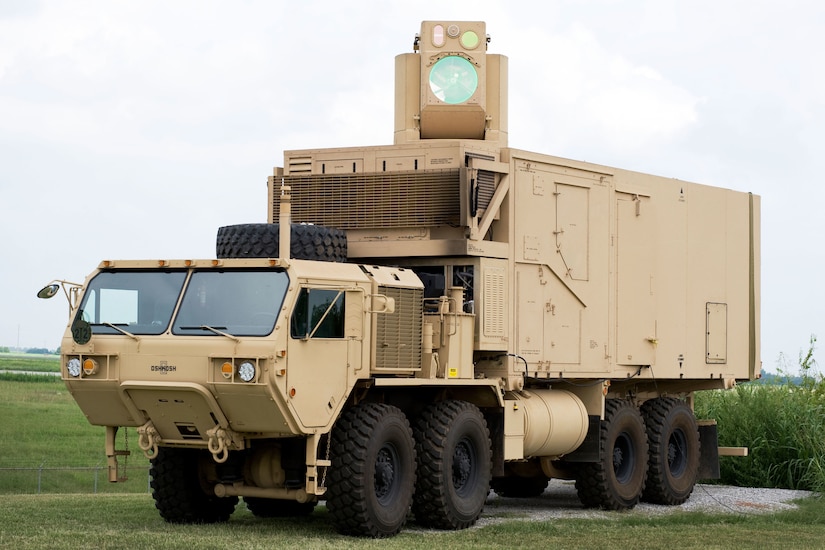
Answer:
(421, 322)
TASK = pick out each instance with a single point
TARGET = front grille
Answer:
(398, 335)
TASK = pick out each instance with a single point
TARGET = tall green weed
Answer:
(783, 425)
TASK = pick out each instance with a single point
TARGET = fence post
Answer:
(40, 476)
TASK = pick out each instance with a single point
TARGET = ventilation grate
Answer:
(486, 182)
(365, 201)
(398, 335)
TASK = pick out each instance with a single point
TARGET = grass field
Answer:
(130, 521)
(29, 362)
(43, 428)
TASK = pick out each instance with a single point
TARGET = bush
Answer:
(783, 425)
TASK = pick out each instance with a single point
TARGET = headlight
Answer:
(246, 371)
(73, 366)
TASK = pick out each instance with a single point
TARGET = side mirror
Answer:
(69, 289)
(48, 291)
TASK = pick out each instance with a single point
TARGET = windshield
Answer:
(240, 303)
(140, 302)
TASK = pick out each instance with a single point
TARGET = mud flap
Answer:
(708, 450)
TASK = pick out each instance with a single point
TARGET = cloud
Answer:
(599, 97)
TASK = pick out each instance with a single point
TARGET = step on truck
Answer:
(416, 324)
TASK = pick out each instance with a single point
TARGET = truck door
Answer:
(322, 354)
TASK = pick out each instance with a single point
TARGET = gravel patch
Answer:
(560, 501)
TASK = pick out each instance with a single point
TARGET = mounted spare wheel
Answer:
(261, 240)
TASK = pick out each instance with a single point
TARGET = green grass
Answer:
(29, 362)
(130, 521)
(782, 424)
(43, 428)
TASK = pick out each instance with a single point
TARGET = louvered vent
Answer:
(486, 187)
(495, 301)
(300, 165)
(485, 184)
(364, 201)
(398, 335)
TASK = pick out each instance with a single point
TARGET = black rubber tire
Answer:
(277, 508)
(372, 477)
(519, 487)
(179, 495)
(617, 481)
(454, 465)
(673, 464)
(261, 240)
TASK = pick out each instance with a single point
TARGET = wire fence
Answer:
(44, 479)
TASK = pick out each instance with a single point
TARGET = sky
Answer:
(133, 130)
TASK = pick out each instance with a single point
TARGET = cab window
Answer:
(319, 313)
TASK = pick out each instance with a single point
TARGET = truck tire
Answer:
(179, 495)
(278, 508)
(673, 438)
(261, 240)
(616, 482)
(519, 487)
(454, 465)
(372, 477)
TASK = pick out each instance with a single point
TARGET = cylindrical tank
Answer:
(555, 422)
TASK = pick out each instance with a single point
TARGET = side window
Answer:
(319, 313)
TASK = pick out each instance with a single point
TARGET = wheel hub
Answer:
(384, 472)
(623, 458)
(462, 465)
(677, 453)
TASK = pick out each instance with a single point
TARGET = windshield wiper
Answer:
(215, 330)
(122, 331)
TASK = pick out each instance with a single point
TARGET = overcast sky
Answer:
(135, 129)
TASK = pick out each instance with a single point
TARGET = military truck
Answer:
(417, 323)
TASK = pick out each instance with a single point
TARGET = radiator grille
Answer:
(364, 201)
(398, 335)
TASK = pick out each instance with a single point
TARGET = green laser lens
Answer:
(453, 79)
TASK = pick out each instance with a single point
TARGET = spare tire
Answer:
(261, 240)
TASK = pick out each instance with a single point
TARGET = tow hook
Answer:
(218, 444)
(148, 440)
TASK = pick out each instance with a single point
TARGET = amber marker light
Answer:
(227, 369)
(89, 367)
